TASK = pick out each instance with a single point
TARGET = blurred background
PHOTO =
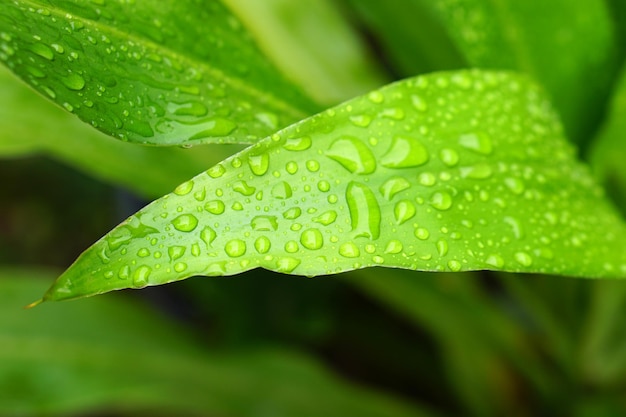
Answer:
(377, 342)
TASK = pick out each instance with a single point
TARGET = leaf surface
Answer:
(452, 172)
(110, 356)
(161, 73)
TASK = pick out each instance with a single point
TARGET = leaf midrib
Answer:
(290, 110)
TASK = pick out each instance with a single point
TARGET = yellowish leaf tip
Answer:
(34, 304)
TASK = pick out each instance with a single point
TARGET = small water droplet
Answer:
(180, 267)
(454, 265)
(448, 156)
(394, 113)
(442, 247)
(235, 248)
(143, 252)
(405, 152)
(403, 211)
(291, 246)
(421, 233)
(361, 120)
(264, 223)
(286, 265)
(419, 103)
(393, 247)
(376, 97)
(478, 142)
(516, 226)
(479, 171)
(326, 218)
(185, 222)
(298, 144)
(200, 195)
(293, 213)
(282, 191)
(393, 186)
(215, 207)
(184, 188)
(495, 260)
(74, 82)
(427, 179)
(195, 250)
(43, 51)
(124, 272)
(364, 211)
(441, 200)
(208, 235)
(323, 186)
(378, 259)
(353, 155)
(262, 244)
(312, 165)
(291, 167)
(216, 171)
(312, 239)
(214, 127)
(259, 164)
(349, 250)
(243, 188)
(140, 276)
(523, 258)
(515, 185)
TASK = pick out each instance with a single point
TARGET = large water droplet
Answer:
(441, 200)
(479, 142)
(140, 276)
(454, 265)
(235, 248)
(495, 260)
(43, 51)
(376, 97)
(326, 218)
(286, 265)
(215, 127)
(262, 244)
(191, 108)
(448, 156)
(442, 247)
(349, 250)
(264, 223)
(282, 191)
(259, 164)
(215, 207)
(208, 235)
(293, 213)
(364, 211)
(184, 188)
(216, 171)
(405, 152)
(176, 252)
(298, 144)
(393, 186)
(422, 233)
(393, 247)
(74, 82)
(361, 120)
(312, 239)
(403, 211)
(185, 222)
(523, 258)
(243, 188)
(353, 155)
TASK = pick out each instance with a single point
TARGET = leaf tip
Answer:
(33, 304)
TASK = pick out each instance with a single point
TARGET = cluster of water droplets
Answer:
(144, 78)
(447, 172)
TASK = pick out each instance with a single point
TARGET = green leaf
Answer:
(569, 48)
(162, 73)
(32, 125)
(331, 65)
(108, 356)
(448, 172)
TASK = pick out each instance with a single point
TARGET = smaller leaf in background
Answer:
(331, 65)
(111, 356)
(31, 125)
(162, 73)
(454, 171)
(568, 47)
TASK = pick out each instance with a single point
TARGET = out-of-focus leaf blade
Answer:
(455, 171)
(108, 355)
(30, 124)
(162, 73)
(331, 65)
(570, 48)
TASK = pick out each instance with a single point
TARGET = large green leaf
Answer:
(108, 356)
(448, 172)
(31, 125)
(167, 72)
(331, 65)
(568, 47)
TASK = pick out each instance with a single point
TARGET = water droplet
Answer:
(184, 188)
(293, 213)
(323, 186)
(200, 195)
(237, 206)
(442, 247)
(43, 51)
(523, 258)
(208, 235)
(180, 267)
(74, 82)
(312, 239)
(378, 259)
(312, 165)
(394, 113)
(195, 250)
(478, 142)
(124, 272)
(419, 103)
(216, 171)
(243, 188)
(479, 171)
(403, 211)
(393, 247)
(448, 156)
(361, 120)
(298, 144)
(176, 252)
(349, 250)
(235, 248)
(185, 222)
(421, 233)
(455, 266)
(140, 276)
(286, 265)
(405, 152)
(326, 218)
(441, 200)
(364, 211)
(282, 191)
(516, 226)
(143, 252)
(495, 260)
(292, 246)
(259, 164)
(393, 186)
(427, 179)
(376, 97)
(215, 207)
(515, 185)
(264, 223)
(262, 244)
(353, 155)
(215, 127)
